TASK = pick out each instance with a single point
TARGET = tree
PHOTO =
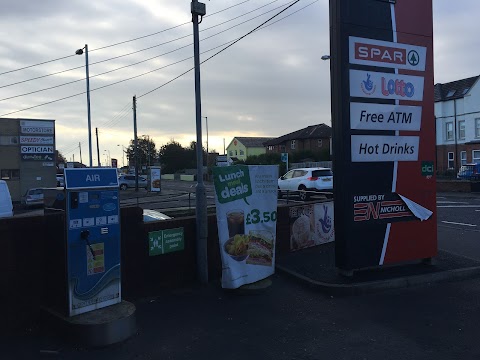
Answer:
(59, 158)
(147, 153)
(174, 157)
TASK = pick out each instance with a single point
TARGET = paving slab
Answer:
(315, 267)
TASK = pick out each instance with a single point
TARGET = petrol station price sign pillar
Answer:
(383, 131)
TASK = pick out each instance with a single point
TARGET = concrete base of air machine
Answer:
(102, 327)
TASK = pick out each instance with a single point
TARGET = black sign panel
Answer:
(383, 131)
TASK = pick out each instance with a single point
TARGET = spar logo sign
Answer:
(368, 84)
(387, 54)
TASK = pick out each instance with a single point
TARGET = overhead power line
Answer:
(139, 62)
(119, 43)
(170, 81)
(225, 48)
(118, 118)
(144, 49)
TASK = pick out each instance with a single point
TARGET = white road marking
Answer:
(456, 223)
(458, 206)
(451, 202)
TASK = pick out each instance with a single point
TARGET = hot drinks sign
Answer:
(383, 124)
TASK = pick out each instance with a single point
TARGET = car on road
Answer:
(60, 180)
(128, 181)
(469, 172)
(32, 197)
(153, 215)
(304, 181)
(6, 207)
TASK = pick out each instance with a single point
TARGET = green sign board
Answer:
(427, 168)
(165, 241)
(232, 183)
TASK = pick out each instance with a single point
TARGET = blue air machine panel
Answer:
(93, 239)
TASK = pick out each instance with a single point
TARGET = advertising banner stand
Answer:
(154, 179)
(246, 200)
(383, 132)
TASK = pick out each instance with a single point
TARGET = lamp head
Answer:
(79, 52)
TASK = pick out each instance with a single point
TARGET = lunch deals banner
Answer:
(246, 200)
(311, 225)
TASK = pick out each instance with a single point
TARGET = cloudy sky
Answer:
(268, 84)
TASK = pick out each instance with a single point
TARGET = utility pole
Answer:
(224, 146)
(98, 148)
(198, 9)
(135, 140)
(206, 126)
(80, 147)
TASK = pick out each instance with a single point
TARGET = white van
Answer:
(6, 207)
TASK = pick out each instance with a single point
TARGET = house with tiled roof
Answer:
(457, 117)
(242, 147)
(314, 138)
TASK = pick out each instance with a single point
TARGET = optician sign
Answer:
(384, 130)
(37, 140)
(36, 149)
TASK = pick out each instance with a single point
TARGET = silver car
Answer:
(128, 181)
(32, 197)
(304, 181)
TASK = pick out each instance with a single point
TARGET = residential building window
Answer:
(451, 162)
(477, 128)
(236, 152)
(230, 153)
(476, 156)
(319, 142)
(451, 92)
(463, 157)
(449, 131)
(292, 144)
(284, 148)
(461, 130)
(270, 147)
(10, 174)
(242, 152)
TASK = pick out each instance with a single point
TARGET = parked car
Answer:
(304, 180)
(60, 180)
(153, 215)
(32, 197)
(6, 207)
(128, 181)
(469, 172)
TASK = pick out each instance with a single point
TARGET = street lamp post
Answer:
(124, 150)
(109, 159)
(206, 126)
(198, 9)
(80, 52)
